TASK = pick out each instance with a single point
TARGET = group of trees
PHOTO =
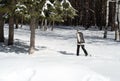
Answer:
(34, 11)
(90, 12)
(101, 13)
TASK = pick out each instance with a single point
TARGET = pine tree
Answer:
(68, 10)
(11, 30)
(56, 14)
(57, 11)
(3, 10)
(33, 9)
(11, 6)
(7, 7)
(47, 10)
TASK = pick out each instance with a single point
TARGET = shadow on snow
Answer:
(66, 53)
(18, 47)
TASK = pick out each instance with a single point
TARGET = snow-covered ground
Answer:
(55, 56)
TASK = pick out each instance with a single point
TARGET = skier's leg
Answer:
(83, 47)
(78, 48)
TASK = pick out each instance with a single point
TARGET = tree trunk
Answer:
(1, 28)
(16, 22)
(119, 33)
(49, 23)
(42, 22)
(78, 5)
(45, 25)
(52, 27)
(100, 12)
(22, 21)
(32, 37)
(11, 30)
(118, 20)
(11, 23)
(115, 34)
(105, 31)
(106, 27)
(112, 10)
(92, 19)
(116, 27)
(37, 24)
(103, 13)
(87, 14)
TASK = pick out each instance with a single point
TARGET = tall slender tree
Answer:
(33, 9)
(32, 35)
(11, 22)
(11, 30)
(118, 19)
(1, 28)
(107, 15)
(3, 10)
(112, 12)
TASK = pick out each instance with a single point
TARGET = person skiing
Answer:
(80, 43)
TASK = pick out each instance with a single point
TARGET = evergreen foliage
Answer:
(68, 10)
(4, 6)
(58, 10)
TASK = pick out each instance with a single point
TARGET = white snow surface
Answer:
(55, 56)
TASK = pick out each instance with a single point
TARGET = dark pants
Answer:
(83, 48)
